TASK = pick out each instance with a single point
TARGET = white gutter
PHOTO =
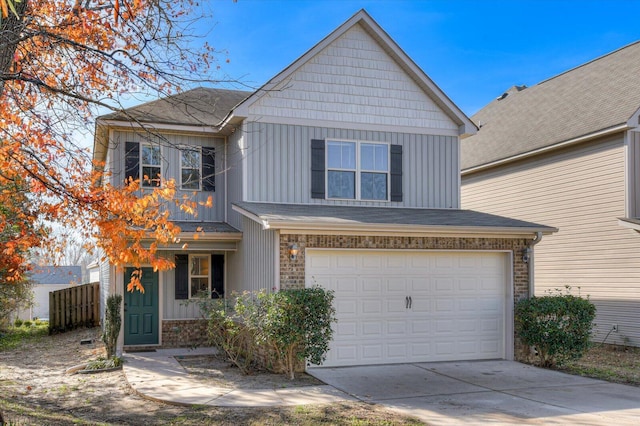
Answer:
(580, 139)
(529, 253)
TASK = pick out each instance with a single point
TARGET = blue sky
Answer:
(473, 50)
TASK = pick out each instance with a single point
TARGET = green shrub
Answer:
(27, 323)
(112, 324)
(294, 324)
(558, 326)
(286, 327)
(18, 322)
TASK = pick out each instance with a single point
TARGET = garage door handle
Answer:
(406, 302)
(410, 302)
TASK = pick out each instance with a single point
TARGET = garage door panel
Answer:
(457, 307)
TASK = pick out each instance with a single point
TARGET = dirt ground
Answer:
(215, 370)
(34, 389)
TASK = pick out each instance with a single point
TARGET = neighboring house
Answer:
(46, 279)
(341, 171)
(567, 152)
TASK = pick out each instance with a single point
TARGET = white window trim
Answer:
(190, 259)
(199, 150)
(358, 170)
(143, 165)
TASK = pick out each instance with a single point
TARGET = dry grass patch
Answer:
(620, 364)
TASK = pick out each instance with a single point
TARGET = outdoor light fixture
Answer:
(526, 254)
(293, 251)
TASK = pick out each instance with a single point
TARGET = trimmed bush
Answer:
(295, 325)
(283, 328)
(558, 326)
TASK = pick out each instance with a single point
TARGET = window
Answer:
(190, 168)
(150, 164)
(357, 170)
(199, 277)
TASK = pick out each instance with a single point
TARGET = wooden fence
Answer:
(74, 307)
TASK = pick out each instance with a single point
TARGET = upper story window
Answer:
(143, 161)
(357, 170)
(190, 168)
(151, 165)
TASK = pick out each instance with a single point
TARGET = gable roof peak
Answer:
(375, 31)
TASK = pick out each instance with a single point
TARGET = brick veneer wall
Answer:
(292, 272)
(184, 333)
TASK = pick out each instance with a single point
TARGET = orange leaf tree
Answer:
(62, 62)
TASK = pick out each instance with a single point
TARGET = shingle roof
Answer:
(49, 274)
(197, 107)
(332, 216)
(595, 96)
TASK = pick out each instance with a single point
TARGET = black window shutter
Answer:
(317, 168)
(208, 169)
(217, 276)
(396, 172)
(182, 276)
(132, 160)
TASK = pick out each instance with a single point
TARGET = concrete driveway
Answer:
(495, 392)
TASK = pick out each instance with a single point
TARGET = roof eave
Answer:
(564, 144)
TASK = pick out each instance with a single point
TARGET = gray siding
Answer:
(259, 258)
(278, 160)
(171, 169)
(234, 172)
(355, 82)
(581, 191)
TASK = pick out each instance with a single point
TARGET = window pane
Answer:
(200, 265)
(199, 285)
(190, 179)
(191, 159)
(374, 157)
(373, 186)
(341, 155)
(151, 176)
(341, 184)
(151, 155)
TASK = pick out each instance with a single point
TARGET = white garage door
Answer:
(412, 306)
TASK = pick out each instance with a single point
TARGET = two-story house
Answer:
(566, 151)
(342, 171)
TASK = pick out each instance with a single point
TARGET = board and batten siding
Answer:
(234, 173)
(257, 256)
(171, 169)
(278, 161)
(353, 80)
(581, 191)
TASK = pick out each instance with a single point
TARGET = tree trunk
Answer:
(11, 29)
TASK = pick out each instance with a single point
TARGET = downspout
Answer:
(528, 258)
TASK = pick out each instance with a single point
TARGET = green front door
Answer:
(141, 310)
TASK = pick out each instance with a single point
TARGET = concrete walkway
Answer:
(159, 376)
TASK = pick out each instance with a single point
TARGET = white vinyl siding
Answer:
(278, 165)
(581, 191)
